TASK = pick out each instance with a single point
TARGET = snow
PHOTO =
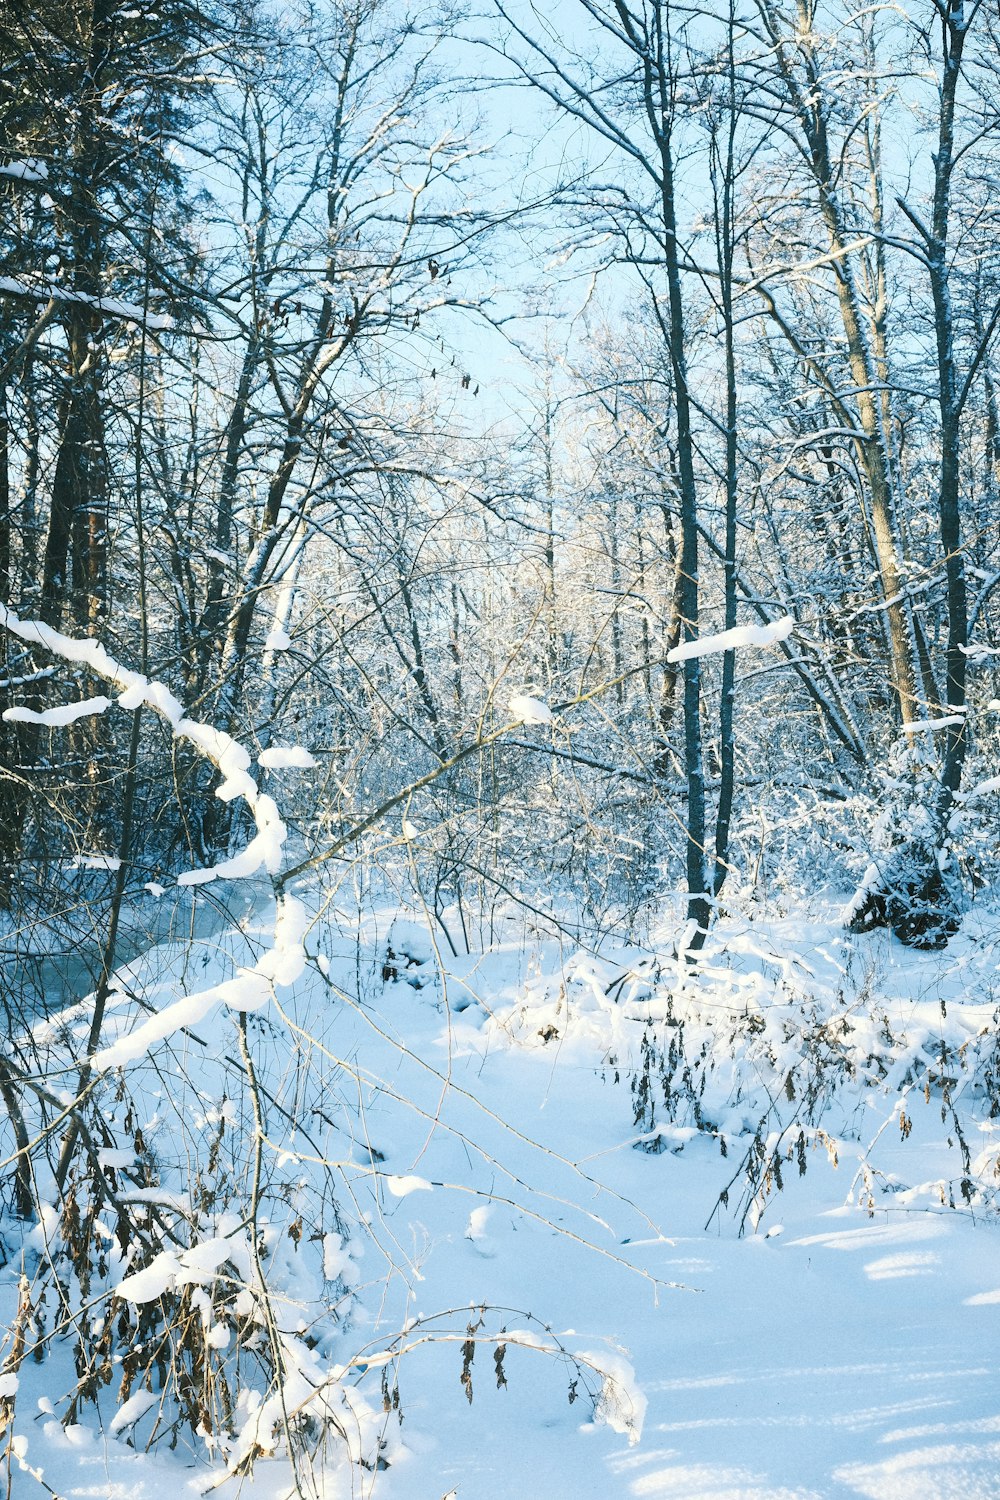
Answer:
(337, 1262)
(232, 759)
(264, 851)
(527, 710)
(476, 1228)
(402, 1187)
(167, 1270)
(735, 639)
(286, 961)
(152, 1281)
(918, 726)
(115, 307)
(92, 654)
(870, 881)
(282, 757)
(31, 170)
(96, 862)
(982, 789)
(248, 990)
(277, 639)
(135, 1407)
(621, 1404)
(64, 713)
(487, 1177)
(110, 1156)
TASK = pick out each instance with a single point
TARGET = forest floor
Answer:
(846, 1345)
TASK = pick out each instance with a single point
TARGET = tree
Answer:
(641, 120)
(92, 103)
(347, 236)
(864, 242)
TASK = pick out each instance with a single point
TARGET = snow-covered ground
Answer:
(494, 1192)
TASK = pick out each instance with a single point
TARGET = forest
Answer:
(499, 699)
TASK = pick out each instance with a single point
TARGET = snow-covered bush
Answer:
(778, 1044)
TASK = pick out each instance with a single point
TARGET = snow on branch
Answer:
(621, 1404)
(284, 962)
(250, 989)
(112, 307)
(25, 171)
(228, 755)
(64, 713)
(286, 757)
(528, 710)
(730, 640)
(919, 726)
(984, 789)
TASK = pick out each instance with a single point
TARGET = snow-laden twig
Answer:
(113, 307)
(285, 960)
(731, 640)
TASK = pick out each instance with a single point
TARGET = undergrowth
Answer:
(771, 1060)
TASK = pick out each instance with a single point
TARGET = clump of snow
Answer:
(277, 639)
(476, 1233)
(168, 1270)
(339, 1260)
(525, 709)
(735, 639)
(153, 1280)
(402, 1187)
(282, 757)
(96, 862)
(231, 758)
(228, 754)
(62, 714)
(249, 990)
(621, 1404)
(983, 789)
(111, 1156)
(30, 170)
(133, 1409)
(918, 726)
(115, 307)
(265, 849)
(870, 881)
(287, 959)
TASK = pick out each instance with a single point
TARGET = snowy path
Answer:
(831, 1356)
(840, 1358)
(849, 1365)
(820, 1369)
